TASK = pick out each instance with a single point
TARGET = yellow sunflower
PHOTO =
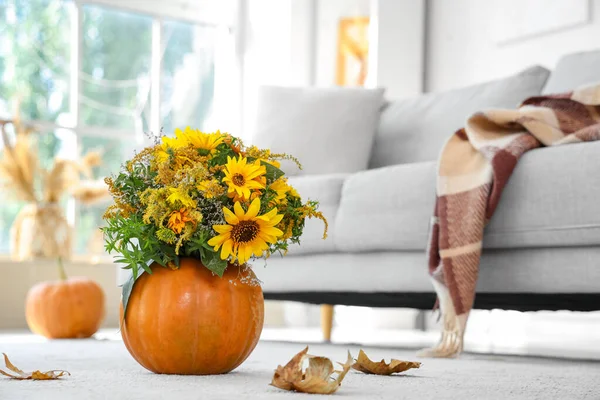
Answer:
(162, 151)
(201, 140)
(281, 187)
(241, 177)
(246, 234)
(253, 195)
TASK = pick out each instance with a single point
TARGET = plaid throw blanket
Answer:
(474, 167)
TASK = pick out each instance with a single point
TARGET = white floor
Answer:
(547, 344)
(103, 369)
(543, 333)
(570, 342)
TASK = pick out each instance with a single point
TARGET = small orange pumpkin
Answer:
(188, 321)
(65, 309)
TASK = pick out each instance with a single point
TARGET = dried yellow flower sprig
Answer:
(22, 176)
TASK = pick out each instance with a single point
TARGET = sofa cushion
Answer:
(313, 124)
(550, 200)
(386, 208)
(573, 71)
(414, 130)
(327, 190)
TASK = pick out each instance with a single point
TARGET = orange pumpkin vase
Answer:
(66, 309)
(188, 321)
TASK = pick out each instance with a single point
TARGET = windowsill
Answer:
(19, 276)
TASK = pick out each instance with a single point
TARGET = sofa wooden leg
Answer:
(421, 321)
(326, 321)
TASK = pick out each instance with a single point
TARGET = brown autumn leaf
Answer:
(364, 364)
(317, 378)
(35, 375)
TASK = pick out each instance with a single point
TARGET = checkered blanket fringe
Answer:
(473, 169)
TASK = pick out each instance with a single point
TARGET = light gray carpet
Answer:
(102, 369)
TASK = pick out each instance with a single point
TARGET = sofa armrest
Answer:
(326, 189)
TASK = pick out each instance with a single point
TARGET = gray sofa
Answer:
(541, 249)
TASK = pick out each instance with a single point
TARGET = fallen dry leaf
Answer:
(317, 378)
(364, 364)
(35, 375)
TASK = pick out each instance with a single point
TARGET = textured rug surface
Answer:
(103, 369)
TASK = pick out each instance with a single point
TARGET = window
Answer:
(35, 57)
(189, 58)
(96, 77)
(115, 76)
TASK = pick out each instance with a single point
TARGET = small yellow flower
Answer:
(201, 140)
(281, 187)
(211, 188)
(182, 196)
(166, 235)
(178, 219)
(255, 194)
(246, 233)
(263, 155)
(241, 177)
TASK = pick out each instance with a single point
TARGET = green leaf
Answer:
(213, 262)
(168, 251)
(192, 247)
(221, 157)
(273, 173)
(128, 288)
(146, 267)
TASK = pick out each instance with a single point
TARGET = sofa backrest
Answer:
(573, 71)
(414, 130)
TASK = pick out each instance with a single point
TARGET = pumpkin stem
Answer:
(61, 270)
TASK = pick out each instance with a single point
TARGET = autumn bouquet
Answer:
(206, 196)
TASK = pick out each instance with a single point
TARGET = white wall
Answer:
(266, 52)
(397, 47)
(291, 43)
(303, 27)
(462, 48)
